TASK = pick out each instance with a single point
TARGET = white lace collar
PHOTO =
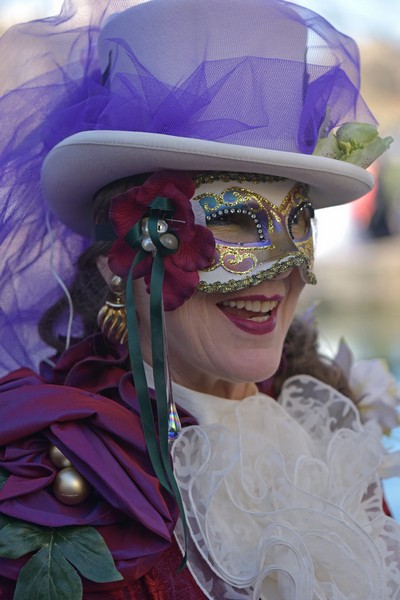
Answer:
(283, 499)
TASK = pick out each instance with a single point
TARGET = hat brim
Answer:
(80, 165)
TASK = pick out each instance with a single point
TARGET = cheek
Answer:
(296, 287)
(184, 323)
(197, 335)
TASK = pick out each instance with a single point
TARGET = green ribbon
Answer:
(157, 446)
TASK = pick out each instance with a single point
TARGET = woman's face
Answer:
(223, 343)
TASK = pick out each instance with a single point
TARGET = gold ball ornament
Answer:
(70, 487)
(58, 459)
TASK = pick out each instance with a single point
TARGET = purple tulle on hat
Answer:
(53, 86)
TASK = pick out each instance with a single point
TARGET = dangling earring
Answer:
(112, 316)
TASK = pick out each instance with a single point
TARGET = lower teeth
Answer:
(260, 319)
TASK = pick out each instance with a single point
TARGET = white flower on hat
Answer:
(357, 143)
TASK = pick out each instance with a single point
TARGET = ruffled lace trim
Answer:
(283, 500)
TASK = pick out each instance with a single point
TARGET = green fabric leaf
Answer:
(86, 550)
(48, 576)
(82, 546)
(19, 537)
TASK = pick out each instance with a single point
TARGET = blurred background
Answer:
(358, 245)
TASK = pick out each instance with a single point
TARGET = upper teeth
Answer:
(261, 306)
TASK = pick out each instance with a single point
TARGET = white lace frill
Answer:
(283, 499)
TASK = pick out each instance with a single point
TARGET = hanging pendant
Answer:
(174, 423)
(112, 316)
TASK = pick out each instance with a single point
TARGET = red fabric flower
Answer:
(196, 243)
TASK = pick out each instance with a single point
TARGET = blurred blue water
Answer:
(391, 487)
(391, 490)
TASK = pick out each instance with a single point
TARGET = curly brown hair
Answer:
(88, 290)
(303, 357)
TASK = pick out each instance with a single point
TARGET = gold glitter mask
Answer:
(262, 226)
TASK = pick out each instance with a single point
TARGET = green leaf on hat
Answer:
(48, 576)
(86, 550)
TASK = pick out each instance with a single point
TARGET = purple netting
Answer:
(51, 82)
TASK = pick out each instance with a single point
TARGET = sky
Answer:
(359, 18)
(12, 11)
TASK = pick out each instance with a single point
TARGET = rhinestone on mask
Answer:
(243, 211)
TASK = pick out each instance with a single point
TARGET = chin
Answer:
(252, 371)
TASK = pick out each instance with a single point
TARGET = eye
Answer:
(235, 227)
(300, 221)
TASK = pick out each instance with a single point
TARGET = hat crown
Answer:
(171, 38)
(258, 73)
(231, 85)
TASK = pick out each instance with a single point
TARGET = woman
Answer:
(190, 154)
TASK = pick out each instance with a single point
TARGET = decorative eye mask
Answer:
(262, 226)
(230, 231)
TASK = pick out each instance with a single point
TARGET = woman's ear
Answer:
(104, 269)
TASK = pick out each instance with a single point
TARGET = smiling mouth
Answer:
(257, 311)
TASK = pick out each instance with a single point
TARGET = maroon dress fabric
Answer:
(87, 407)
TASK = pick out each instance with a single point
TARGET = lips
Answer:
(254, 314)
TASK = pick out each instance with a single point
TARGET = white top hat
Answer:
(232, 85)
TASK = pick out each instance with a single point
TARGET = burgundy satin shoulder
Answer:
(87, 408)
